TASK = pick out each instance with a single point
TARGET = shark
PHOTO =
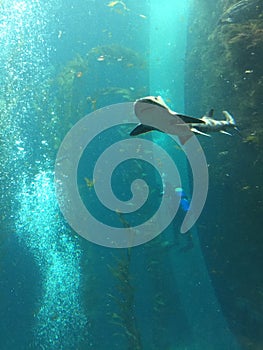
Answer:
(214, 125)
(154, 114)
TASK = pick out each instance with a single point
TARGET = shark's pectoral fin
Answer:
(142, 129)
(196, 131)
(189, 120)
(225, 132)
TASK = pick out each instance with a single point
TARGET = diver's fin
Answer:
(142, 129)
(225, 132)
(189, 120)
(195, 131)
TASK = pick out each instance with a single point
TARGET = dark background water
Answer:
(225, 60)
(62, 60)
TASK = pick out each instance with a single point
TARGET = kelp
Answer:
(112, 54)
(124, 298)
(242, 48)
(226, 62)
(75, 82)
(114, 94)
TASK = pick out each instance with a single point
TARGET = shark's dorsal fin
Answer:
(210, 113)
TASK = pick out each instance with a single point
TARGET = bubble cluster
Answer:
(27, 191)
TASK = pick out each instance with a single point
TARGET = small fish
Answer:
(101, 58)
(114, 3)
(89, 183)
(223, 153)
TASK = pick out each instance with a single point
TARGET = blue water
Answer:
(61, 60)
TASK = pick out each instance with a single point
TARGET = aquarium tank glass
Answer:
(131, 193)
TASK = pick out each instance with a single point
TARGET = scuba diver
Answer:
(184, 201)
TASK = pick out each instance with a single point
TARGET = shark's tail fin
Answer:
(229, 118)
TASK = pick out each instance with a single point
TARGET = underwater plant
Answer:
(226, 62)
(80, 89)
(112, 54)
(124, 298)
(114, 94)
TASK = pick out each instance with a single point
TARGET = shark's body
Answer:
(154, 114)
